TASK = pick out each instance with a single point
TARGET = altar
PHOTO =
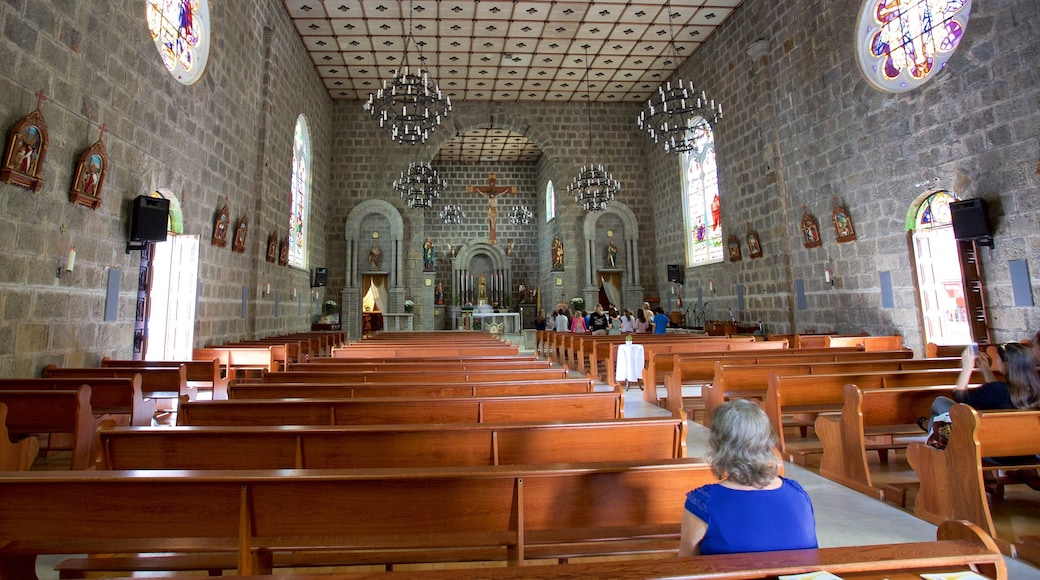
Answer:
(397, 322)
(509, 322)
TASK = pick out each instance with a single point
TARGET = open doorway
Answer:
(174, 272)
(940, 280)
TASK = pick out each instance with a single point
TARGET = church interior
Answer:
(180, 174)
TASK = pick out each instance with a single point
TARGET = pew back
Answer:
(121, 397)
(15, 456)
(367, 390)
(31, 411)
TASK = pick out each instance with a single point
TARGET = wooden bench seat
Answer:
(872, 419)
(200, 374)
(15, 456)
(419, 376)
(239, 361)
(952, 479)
(374, 411)
(30, 412)
(660, 358)
(156, 382)
(343, 447)
(601, 364)
(431, 365)
(120, 399)
(380, 515)
(433, 350)
(433, 389)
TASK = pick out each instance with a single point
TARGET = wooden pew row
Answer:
(576, 349)
(960, 547)
(699, 369)
(374, 411)
(240, 360)
(417, 376)
(118, 398)
(282, 351)
(199, 374)
(15, 456)
(156, 382)
(326, 517)
(952, 478)
(30, 412)
(434, 389)
(433, 350)
(751, 380)
(433, 359)
(602, 356)
(431, 365)
(368, 446)
(806, 396)
(873, 420)
(327, 340)
(658, 359)
(869, 343)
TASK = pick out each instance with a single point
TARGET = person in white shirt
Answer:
(561, 321)
(628, 322)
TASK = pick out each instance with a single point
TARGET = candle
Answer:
(70, 263)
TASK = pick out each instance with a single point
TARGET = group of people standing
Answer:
(604, 321)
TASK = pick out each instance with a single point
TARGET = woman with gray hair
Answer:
(752, 509)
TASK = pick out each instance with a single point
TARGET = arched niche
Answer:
(382, 218)
(627, 242)
(476, 258)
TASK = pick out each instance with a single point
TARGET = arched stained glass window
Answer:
(180, 29)
(900, 44)
(300, 188)
(701, 205)
(935, 211)
(550, 202)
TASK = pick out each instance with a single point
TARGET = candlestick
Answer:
(70, 263)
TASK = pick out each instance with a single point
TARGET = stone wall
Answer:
(228, 137)
(802, 127)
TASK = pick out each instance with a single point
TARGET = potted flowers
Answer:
(628, 339)
(409, 306)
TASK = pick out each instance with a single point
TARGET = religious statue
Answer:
(523, 293)
(557, 255)
(612, 255)
(454, 249)
(491, 192)
(438, 294)
(428, 256)
(509, 247)
(482, 289)
(373, 257)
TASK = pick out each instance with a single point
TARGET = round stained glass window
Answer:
(180, 29)
(900, 44)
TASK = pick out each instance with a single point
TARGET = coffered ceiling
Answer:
(506, 50)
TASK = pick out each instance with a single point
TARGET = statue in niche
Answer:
(373, 257)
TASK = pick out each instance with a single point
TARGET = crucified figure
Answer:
(491, 192)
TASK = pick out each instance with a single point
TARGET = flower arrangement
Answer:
(628, 338)
(577, 303)
(330, 306)
(409, 305)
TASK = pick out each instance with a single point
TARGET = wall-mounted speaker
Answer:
(321, 277)
(675, 273)
(149, 219)
(969, 220)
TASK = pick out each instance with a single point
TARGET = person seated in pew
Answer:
(642, 324)
(753, 509)
(1021, 390)
(660, 321)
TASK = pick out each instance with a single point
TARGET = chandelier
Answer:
(677, 115)
(452, 215)
(593, 188)
(410, 105)
(521, 216)
(419, 185)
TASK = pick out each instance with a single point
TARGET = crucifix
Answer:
(491, 192)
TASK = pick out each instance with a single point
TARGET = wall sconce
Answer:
(267, 288)
(828, 276)
(70, 263)
(711, 286)
(293, 294)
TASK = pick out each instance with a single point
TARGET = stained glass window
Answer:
(550, 202)
(900, 44)
(300, 189)
(180, 29)
(935, 211)
(702, 207)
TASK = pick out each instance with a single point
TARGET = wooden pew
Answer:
(281, 517)
(430, 365)
(659, 359)
(156, 382)
(386, 350)
(240, 361)
(120, 399)
(417, 376)
(15, 456)
(599, 351)
(367, 446)
(952, 478)
(434, 389)
(932, 350)
(809, 395)
(197, 373)
(872, 419)
(374, 411)
(869, 343)
(68, 412)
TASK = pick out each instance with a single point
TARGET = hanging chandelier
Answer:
(410, 106)
(452, 215)
(420, 185)
(521, 216)
(677, 115)
(593, 188)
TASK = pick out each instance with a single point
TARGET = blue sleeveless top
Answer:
(759, 520)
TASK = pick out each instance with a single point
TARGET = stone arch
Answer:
(630, 241)
(476, 258)
(354, 231)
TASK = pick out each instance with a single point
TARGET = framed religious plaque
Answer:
(733, 248)
(272, 247)
(843, 224)
(90, 175)
(220, 227)
(26, 146)
(754, 244)
(810, 230)
(283, 251)
(241, 231)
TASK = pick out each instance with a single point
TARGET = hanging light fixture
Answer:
(420, 185)
(676, 115)
(593, 188)
(452, 215)
(410, 106)
(521, 216)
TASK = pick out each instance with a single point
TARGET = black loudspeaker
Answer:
(675, 273)
(149, 219)
(321, 277)
(969, 219)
